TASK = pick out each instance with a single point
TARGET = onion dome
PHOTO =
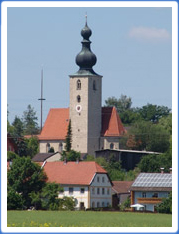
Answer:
(86, 59)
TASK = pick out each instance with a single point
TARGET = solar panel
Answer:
(153, 180)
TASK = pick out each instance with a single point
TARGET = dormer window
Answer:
(78, 85)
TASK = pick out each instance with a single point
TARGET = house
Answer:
(120, 191)
(49, 157)
(149, 188)
(11, 145)
(93, 127)
(87, 182)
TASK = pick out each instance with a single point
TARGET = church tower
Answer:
(85, 99)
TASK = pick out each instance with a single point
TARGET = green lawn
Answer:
(86, 219)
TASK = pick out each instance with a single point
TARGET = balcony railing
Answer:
(149, 200)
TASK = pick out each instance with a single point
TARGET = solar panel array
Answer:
(153, 180)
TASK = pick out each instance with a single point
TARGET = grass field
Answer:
(86, 219)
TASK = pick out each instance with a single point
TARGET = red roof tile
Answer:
(80, 173)
(56, 124)
(121, 186)
(111, 123)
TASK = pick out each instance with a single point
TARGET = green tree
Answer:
(68, 138)
(32, 146)
(18, 127)
(49, 196)
(14, 200)
(67, 203)
(30, 121)
(25, 177)
(144, 135)
(11, 156)
(166, 205)
(70, 156)
(153, 113)
(122, 104)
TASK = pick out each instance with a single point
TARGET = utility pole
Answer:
(41, 99)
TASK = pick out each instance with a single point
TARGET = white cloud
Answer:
(152, 34)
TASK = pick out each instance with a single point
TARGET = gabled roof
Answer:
(121, 186)
(56, 124)
(41, 157)
(152, 182)
(111, 123)
(74, 173)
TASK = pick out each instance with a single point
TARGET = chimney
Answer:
(77, 160)
(170, 170)
(65, 161)
(162, 170)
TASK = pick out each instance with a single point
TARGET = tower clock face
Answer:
(78, 108)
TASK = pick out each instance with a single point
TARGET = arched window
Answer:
(98, 204)
(78, 85)
(94, 85)
(48, 147)
(60, 147)
(78, 98)
(111, 146)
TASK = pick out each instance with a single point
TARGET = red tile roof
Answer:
(74, 173)
(56, 124)
(111, 123)
(121, 186)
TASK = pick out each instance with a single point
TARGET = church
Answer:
(93, 127)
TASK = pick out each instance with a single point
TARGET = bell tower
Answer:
(85, 99)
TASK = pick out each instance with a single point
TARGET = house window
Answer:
(48, 147)
(143, 194)
(82, 190)
(70, 190)
(98, 179)
(78, 98)
(60, 147)
(98, 204)
(111, 146)
(102, 204)
(155, 195)
(78, 85)
(93, 191)
(94, 85)
(108, 192)
(103, 179)
(103, 191)
(98, 190)
(93, 204)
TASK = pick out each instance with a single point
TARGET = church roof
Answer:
(111, 123)
(56, 124)
(80, 173)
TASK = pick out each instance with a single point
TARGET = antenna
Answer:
(41, 99)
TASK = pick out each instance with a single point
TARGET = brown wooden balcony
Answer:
(149, 200)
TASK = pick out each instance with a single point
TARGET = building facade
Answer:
(87, 182)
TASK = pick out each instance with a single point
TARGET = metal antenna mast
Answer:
(41, 99)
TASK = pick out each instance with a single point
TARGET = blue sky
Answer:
(133, 46)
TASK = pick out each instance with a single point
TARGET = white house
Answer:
(87, 182)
